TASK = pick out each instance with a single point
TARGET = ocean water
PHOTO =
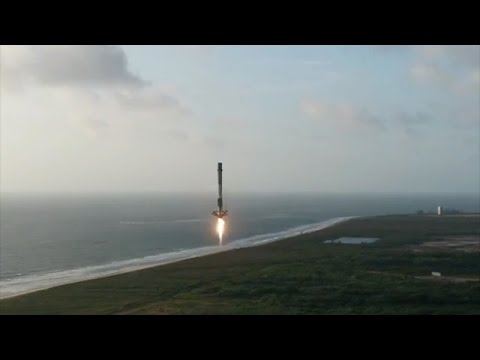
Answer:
(47, 240)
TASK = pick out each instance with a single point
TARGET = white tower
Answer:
(439, 210)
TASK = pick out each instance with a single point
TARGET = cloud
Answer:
(430, 73)
(457, 55)
(351, 118)
(417, 118)
(146, 99)
(66, 66)
(412, 122)
(455, 67)
(149, 99)
(96, 123)
(94, 81)
(94, 126)
(345, 116)
(430, 52)
(146, 110)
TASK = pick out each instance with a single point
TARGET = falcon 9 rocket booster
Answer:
(220, 212)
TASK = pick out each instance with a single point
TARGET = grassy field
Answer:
(300, 275)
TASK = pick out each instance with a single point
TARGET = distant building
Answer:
(439, 210)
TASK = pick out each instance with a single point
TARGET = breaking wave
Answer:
(31, 283)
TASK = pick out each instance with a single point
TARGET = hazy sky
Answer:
(281, 118)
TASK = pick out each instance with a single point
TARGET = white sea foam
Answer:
(30, 283)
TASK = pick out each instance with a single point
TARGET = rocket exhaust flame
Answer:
(220, 228)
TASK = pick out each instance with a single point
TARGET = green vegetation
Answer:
(299, 275)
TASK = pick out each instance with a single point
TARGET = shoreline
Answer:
(302, 275)
(65, 277)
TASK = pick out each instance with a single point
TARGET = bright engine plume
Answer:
(220, 228)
